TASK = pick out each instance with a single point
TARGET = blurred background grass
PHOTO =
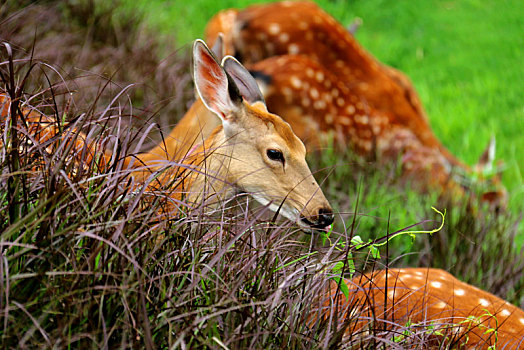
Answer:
(464, 58)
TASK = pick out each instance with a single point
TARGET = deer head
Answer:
(253, 149)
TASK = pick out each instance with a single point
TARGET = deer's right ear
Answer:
(216, 89)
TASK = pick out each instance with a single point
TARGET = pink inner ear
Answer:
(211, 82)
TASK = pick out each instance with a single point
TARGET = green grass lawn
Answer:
(464, 57)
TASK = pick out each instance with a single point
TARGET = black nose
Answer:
(325, 217)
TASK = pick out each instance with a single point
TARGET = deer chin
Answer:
(285, 210)
(292, 214)
(310, 227)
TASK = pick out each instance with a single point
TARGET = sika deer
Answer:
(290, 27)
(430, 301)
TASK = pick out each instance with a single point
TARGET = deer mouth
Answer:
(309, 226)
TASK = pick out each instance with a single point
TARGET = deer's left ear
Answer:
(247, 85)
(216, 89)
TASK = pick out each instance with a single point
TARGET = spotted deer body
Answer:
(429, 301)
(318, 78)
(298, 27)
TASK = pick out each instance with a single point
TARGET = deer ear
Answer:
(218, 47)
(487, 158)
(216, 89)
(245, 82)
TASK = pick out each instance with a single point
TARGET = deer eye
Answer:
(276, 155)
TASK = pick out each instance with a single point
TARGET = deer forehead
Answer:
(278, 128)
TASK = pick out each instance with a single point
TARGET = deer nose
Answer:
(325, 217)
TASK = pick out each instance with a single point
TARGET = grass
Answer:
(86, 262)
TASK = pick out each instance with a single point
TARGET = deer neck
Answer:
(206, 170)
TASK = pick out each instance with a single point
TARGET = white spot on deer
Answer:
(288, 94)
(521, 320)
(314, 93)
(483, 302)
(274, 28)
(440, 305)
(319, 76)
(419, 273)
(360, 105)
(261, 36)
(376, 128)
(344, 120)
(335, 92)
(350, 109)
(306, 102)
(293, 49)
(406, 276)
(459, 292)
(302, 25)
(319, 104)
(329, 118)
(436, 284)
(327, 97)
(505, 313)
(295, 82)
(310, 73)
(282, 61)
(362, 119)
(367, 145)
(340, 102)
(284, 37)
(391, 294)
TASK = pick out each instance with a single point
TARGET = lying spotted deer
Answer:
(251, 149)
(318, 78)
(430, 302)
